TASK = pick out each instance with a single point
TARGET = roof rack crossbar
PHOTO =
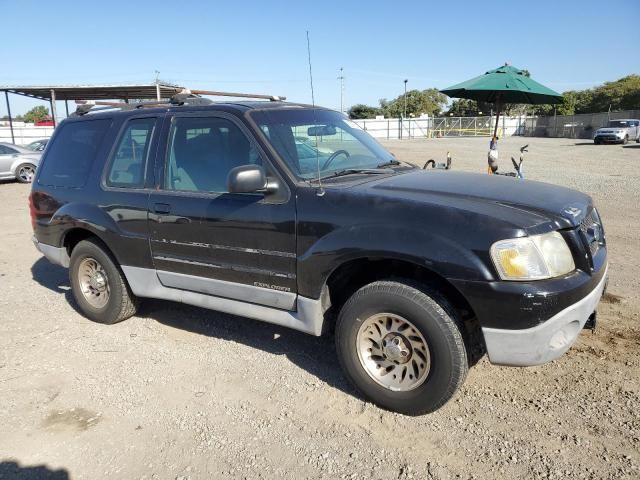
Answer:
(85, 106)
(273, 98)
(185, 97)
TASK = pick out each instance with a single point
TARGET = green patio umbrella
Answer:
(502, 85)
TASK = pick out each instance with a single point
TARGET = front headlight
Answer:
(532, 258)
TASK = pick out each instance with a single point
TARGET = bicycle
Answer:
(493, 164)
(438, 166)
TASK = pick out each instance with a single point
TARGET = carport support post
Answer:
(66, 107)
(6, 97)
(52, 101)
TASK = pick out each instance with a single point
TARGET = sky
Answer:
(260, 47)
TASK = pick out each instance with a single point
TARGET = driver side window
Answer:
(203, 150)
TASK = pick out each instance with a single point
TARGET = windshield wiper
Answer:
(390, 163)
(357, 171)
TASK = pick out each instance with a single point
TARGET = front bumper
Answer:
(544, 342)
(609, 137)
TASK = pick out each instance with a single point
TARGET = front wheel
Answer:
(25, 172)
(99, 286)
(401, 347)
(625, 140)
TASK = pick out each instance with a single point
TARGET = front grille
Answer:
(592, 231)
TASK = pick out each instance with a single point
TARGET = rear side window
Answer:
(70, 156)
(128, 165)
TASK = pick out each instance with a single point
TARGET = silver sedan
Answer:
(18, 163)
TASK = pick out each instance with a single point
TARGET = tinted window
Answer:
(202, 151)
(6, 150)
(312, 140)
(71, 154)
(128, 164)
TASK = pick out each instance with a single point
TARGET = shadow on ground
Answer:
(316, 355)
(11, 469)
(637, 145)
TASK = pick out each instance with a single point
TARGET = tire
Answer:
(446, 360)
(119, 303)
(597, 142)
(625, 140)
(25, 172)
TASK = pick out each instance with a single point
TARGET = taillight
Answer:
(32, 211)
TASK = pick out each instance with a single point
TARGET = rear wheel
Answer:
(25, 172)
(401, 347)
(596, 141)
(98, 284)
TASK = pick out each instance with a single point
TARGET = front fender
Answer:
(437, 253)
(19, 160)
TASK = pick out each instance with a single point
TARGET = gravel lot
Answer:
(180, 392)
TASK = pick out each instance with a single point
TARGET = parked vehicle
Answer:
(38, 145)
(17, 163)
(417, 272)
(618, 131)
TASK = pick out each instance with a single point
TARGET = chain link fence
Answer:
(436, 127)
(573, 126)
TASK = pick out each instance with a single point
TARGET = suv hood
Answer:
(524, 203)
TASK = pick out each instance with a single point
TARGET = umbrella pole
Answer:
(494, 141)
(495, 129)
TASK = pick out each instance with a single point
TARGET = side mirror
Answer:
(247, 179)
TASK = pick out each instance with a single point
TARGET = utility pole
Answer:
(405, 98)
(404, 115)
(341, 78)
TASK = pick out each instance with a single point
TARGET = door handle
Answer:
(161, 208)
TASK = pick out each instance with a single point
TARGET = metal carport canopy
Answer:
(94, 92)
(51, 93)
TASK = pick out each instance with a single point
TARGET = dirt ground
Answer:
(181, 392)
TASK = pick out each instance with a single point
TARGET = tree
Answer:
(418, 102)
(18, 118)
(37, 114)
(363, 111)
(622, 94)
(463, 107)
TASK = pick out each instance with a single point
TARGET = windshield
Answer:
(618, 124)
(308, 138)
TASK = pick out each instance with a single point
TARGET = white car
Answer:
(18, 163)
(618, 131)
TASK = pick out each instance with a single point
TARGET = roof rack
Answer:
(272, 98)
(185, 97)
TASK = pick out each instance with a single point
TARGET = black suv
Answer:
(293, 215)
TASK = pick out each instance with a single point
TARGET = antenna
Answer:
(321, 191)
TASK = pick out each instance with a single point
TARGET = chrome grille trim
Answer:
(592, 231)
